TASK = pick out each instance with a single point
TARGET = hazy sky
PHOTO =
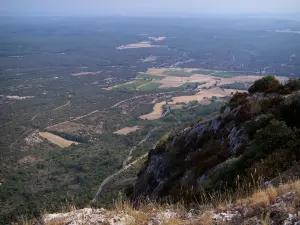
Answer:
(99, 7)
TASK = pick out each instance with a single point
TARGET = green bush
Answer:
(247, 111)
(277, 162)
(289, 111)
(237, 99)
(265, 84)
(275, 136)
(291, 85)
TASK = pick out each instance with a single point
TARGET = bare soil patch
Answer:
(28, 160)
(157, 38)
(157, 112)
(15, 97)
(33, 138)
(149, 59)
(143, 44)
(204, 95)
(61, 142)
(85, 73)
(127, 130)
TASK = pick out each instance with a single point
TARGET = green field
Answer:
(239, 86)
(149, 77)
(177, 73)
(203, 72)
(149, 87)
(191, 85)
(131, 85)
(228, 74)
(223, 74)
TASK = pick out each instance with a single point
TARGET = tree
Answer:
(265, 84)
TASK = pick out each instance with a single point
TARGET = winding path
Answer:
(129, 157)
(114, 106)
(61, 106)
(125, 167)
(115, 174)
(140, 96)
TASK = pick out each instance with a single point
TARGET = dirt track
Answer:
(61, 106)
(125, 167)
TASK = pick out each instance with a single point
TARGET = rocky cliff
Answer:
(255, 138)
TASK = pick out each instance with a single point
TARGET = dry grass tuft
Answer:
(176, 214)
(205, 219)
(264, 197)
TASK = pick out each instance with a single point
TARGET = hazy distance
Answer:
(151, 7)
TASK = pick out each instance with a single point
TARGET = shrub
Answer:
(258, 123)
(274, 136)
(237, 99)
(247, 111)
(291, 85)
(223, 107)
(289, 111)
(277, 162)
(270, 104)
(265, 84)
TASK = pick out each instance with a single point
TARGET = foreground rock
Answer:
(276, 206)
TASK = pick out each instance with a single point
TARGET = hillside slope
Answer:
(239, 168)
(255, 138)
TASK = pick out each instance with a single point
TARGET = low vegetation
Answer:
(149, 76)
(132, 85)
(204, 72)
(149, 87)
(177, 73)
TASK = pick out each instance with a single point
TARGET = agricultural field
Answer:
(164, 78)
(177, 73)
(146, 76)
(61, 142)
(204, 72)
(131, 85)
(127, 130)
(149, 86)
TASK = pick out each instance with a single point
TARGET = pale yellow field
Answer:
(204, 95)
(127, 130)
(210, 81)
(157, 112)
(157, 71)
(85, 73)
(61, 142)
(143, 44)
(207, 90)
(173, 81)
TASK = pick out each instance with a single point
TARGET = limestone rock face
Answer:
(210, 154)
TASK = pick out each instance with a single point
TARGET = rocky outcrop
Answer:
(211, 155)
(265, 206)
